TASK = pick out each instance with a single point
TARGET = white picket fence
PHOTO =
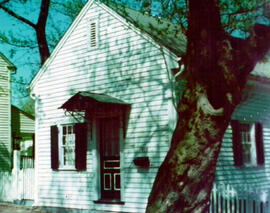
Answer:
(18, 184)
(243, 199)
(27, 182)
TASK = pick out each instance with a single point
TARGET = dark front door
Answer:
(110, 158)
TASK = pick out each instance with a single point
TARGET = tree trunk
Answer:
(184, 180)
(217, 69)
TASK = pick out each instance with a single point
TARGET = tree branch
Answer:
(4, 2)
(14, 40)
(256, 47)
(41, 31)
(260, 41)
(18, 17)
(18, 45)
(43, 15)
(242, 11)
(177, 11)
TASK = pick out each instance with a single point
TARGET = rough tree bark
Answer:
(217, 69)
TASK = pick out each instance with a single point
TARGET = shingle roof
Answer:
(161, 30)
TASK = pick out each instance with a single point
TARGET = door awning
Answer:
(92, 102)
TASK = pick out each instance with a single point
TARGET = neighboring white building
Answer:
(17, 130)
(6, 69)
(105, 114)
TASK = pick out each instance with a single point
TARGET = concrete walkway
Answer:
(13, 208)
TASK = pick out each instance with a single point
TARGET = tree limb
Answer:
(177, 11)
(18, 17)
(41, 31)
(43, 15)
(4, 2)
(16, 42)
(251, 50)
(260, 41)
(242, 11)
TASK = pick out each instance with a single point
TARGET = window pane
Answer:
(70, 139)
(246, 140)
(70, 128)
(69, 157)
(68, 146)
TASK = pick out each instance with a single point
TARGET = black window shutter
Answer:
(237, 146)
(80, 146)
(54, 148)
(259, 143)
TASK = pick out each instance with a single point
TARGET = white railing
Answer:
(241, 199)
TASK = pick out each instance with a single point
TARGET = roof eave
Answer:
(10, 66)
(59, 45)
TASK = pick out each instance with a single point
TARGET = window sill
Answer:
(66, 169)
(251, 166)
(114, 202)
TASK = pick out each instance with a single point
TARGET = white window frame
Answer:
(252, 142)
(61, 149)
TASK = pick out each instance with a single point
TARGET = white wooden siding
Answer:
(125, 66)
(5, 129)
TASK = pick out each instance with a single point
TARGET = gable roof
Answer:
(162, 32)
(60, 43)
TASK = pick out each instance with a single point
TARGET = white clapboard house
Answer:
(105, 114)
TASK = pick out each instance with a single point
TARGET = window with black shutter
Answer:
(247, 143)
(68, 146)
